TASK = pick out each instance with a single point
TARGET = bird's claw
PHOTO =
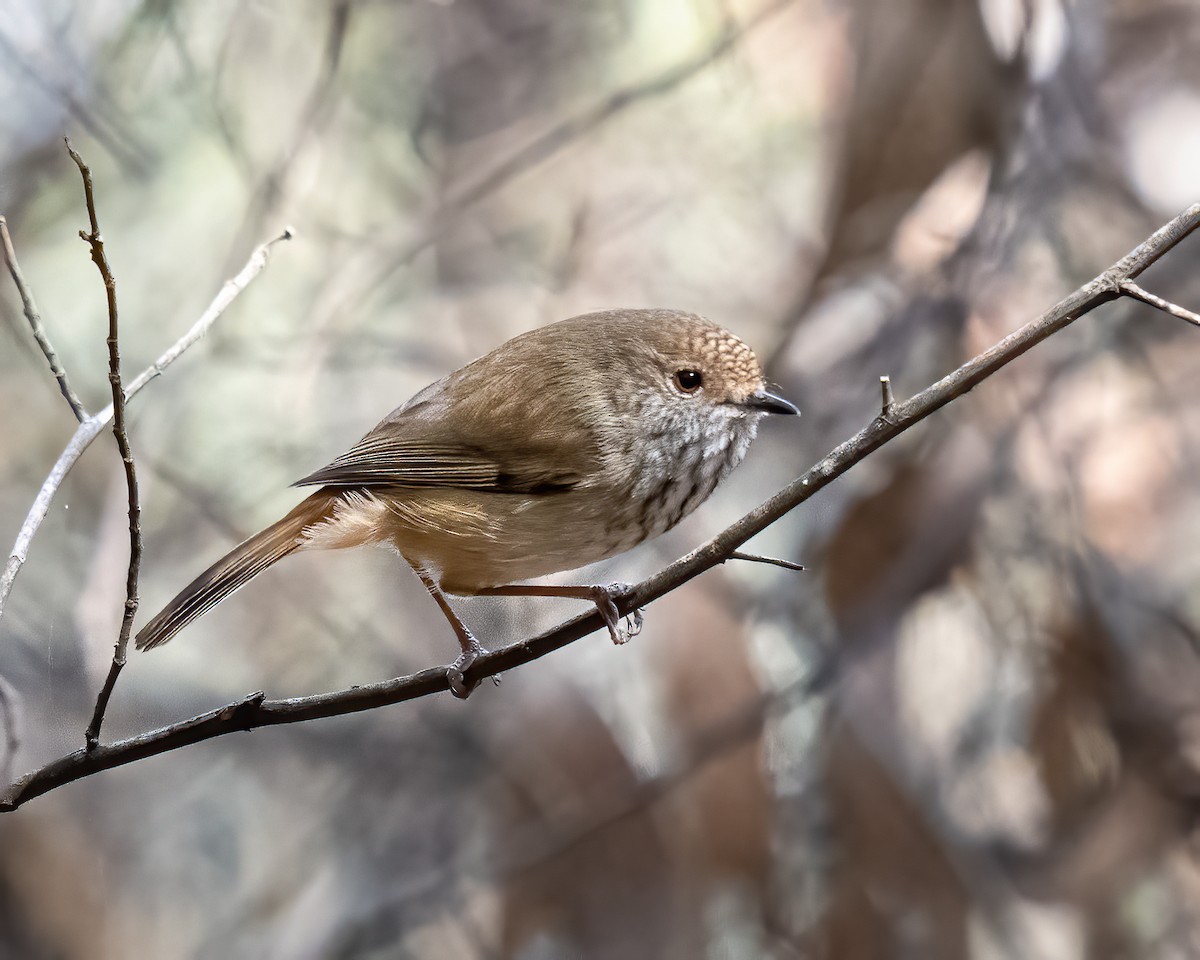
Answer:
(606, 598)
(454, 678)
(454, 672)
(633, 622)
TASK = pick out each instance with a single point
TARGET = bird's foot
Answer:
(454, 672)
(605, 598)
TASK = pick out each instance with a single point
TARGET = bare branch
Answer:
(256, 711)
(1131, 289)
(100, 259)
(35, 323)
(87, 431)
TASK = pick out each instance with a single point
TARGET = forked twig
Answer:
(100, 259)
(87, 431)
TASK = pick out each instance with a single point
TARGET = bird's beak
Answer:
(769, 403)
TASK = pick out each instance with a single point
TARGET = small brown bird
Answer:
(563, 446)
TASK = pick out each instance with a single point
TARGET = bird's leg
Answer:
(471, 648)
(604, 596)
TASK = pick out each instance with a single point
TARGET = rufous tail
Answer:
(235, 569)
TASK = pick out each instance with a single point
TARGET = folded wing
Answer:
(387, 457)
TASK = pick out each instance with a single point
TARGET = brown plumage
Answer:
(561, 447)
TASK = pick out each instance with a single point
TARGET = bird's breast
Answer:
(677, 466)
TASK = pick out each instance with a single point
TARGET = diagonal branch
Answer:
(35, 323)
(100, 259)
(257, 711)
(87, 431)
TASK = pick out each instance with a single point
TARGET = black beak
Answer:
(770, 403)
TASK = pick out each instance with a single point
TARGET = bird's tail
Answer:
(235, 569)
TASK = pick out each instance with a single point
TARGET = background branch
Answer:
(404, 248)
(575, 128)
(33, 315)
(256, 711)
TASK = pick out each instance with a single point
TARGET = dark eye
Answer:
(689, 381)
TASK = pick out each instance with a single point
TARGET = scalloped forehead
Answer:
(673, 335)
(673, 330)
(721, 348)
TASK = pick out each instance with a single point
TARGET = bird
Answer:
(566, 445)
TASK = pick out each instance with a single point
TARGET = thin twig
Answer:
(256, 711)
(35, 323)
(773, 561)
(120, 431)
(1131, 289)
(87, 431)
(888, 403)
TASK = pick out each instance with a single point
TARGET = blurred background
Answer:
(998, 756)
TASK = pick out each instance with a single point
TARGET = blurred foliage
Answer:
(1003, 763)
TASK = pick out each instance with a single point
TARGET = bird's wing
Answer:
(390, 456)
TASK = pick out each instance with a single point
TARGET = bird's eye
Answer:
(689, 381)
